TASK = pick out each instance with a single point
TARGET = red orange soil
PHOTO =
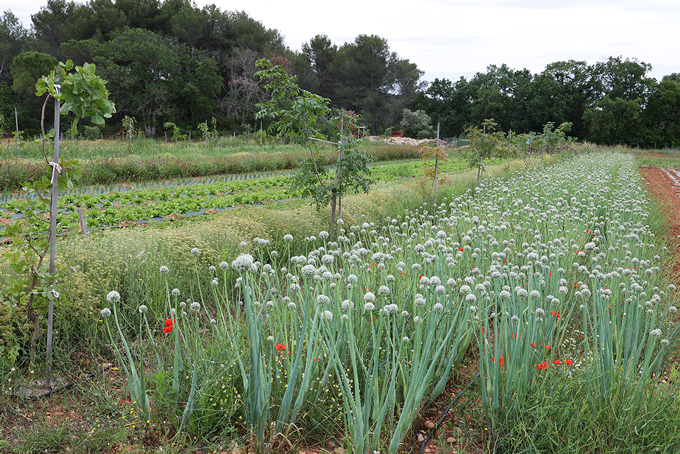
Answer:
(665, 191)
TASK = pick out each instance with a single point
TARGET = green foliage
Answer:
(28, 68)
(485, 144)
(417, 124)
(176, 132)
(297, 112)
(90, 132)
(82, 93)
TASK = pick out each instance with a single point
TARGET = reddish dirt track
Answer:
(666, 191)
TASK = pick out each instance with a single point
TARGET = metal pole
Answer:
(16, 120)
(436, 169)
(53, 227)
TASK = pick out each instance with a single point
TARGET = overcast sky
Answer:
(462, 37)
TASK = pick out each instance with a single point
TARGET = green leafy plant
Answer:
(176, 132)
(485, 144)
(297, 111)
(84, 94)
(129, 125)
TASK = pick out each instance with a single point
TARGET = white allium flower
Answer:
(270, 339)
(540, 312)
(656, 333)
(143, 309)
(383, 290)
(405, 339)
(470, 298)
(224, 266)
(465, 289)
(113, 297)
(504, 295)
(164, 269)
(288, 238)
(213, 321)
(328, 315)
(243, 244)
(308, 271)
(212, 269)
(424, 280)
(214, 282)
(473, 309)
(106, 312)
(672, 309)
(665, 342)
(535, 294)
(344, 317)
(369, 307)
(440, 290)
(323, 234)
(327, 276)
(295, 288)
(437, 307)
(514, 318)
(417, 320)
(195, 306)
(173, 312)
(352, 279)
(522, 293)
(322, 300)
(291, 306)
(369, 297)
(404, 313)
(195, 251)
(243, 262)
(327, 259)
(419, 301)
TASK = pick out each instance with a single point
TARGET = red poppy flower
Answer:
(547, 347)
(533, 344)
(556, 362)
(539, 366)
(500, 362)
(460, 249)
(280, 346)
(569, 362)
(169, 324)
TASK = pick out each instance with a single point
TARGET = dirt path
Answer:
(664, 186)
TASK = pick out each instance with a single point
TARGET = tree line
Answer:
(609, 102)
(170, 61)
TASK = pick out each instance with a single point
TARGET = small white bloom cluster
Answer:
(113, 297)
(243, 262)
